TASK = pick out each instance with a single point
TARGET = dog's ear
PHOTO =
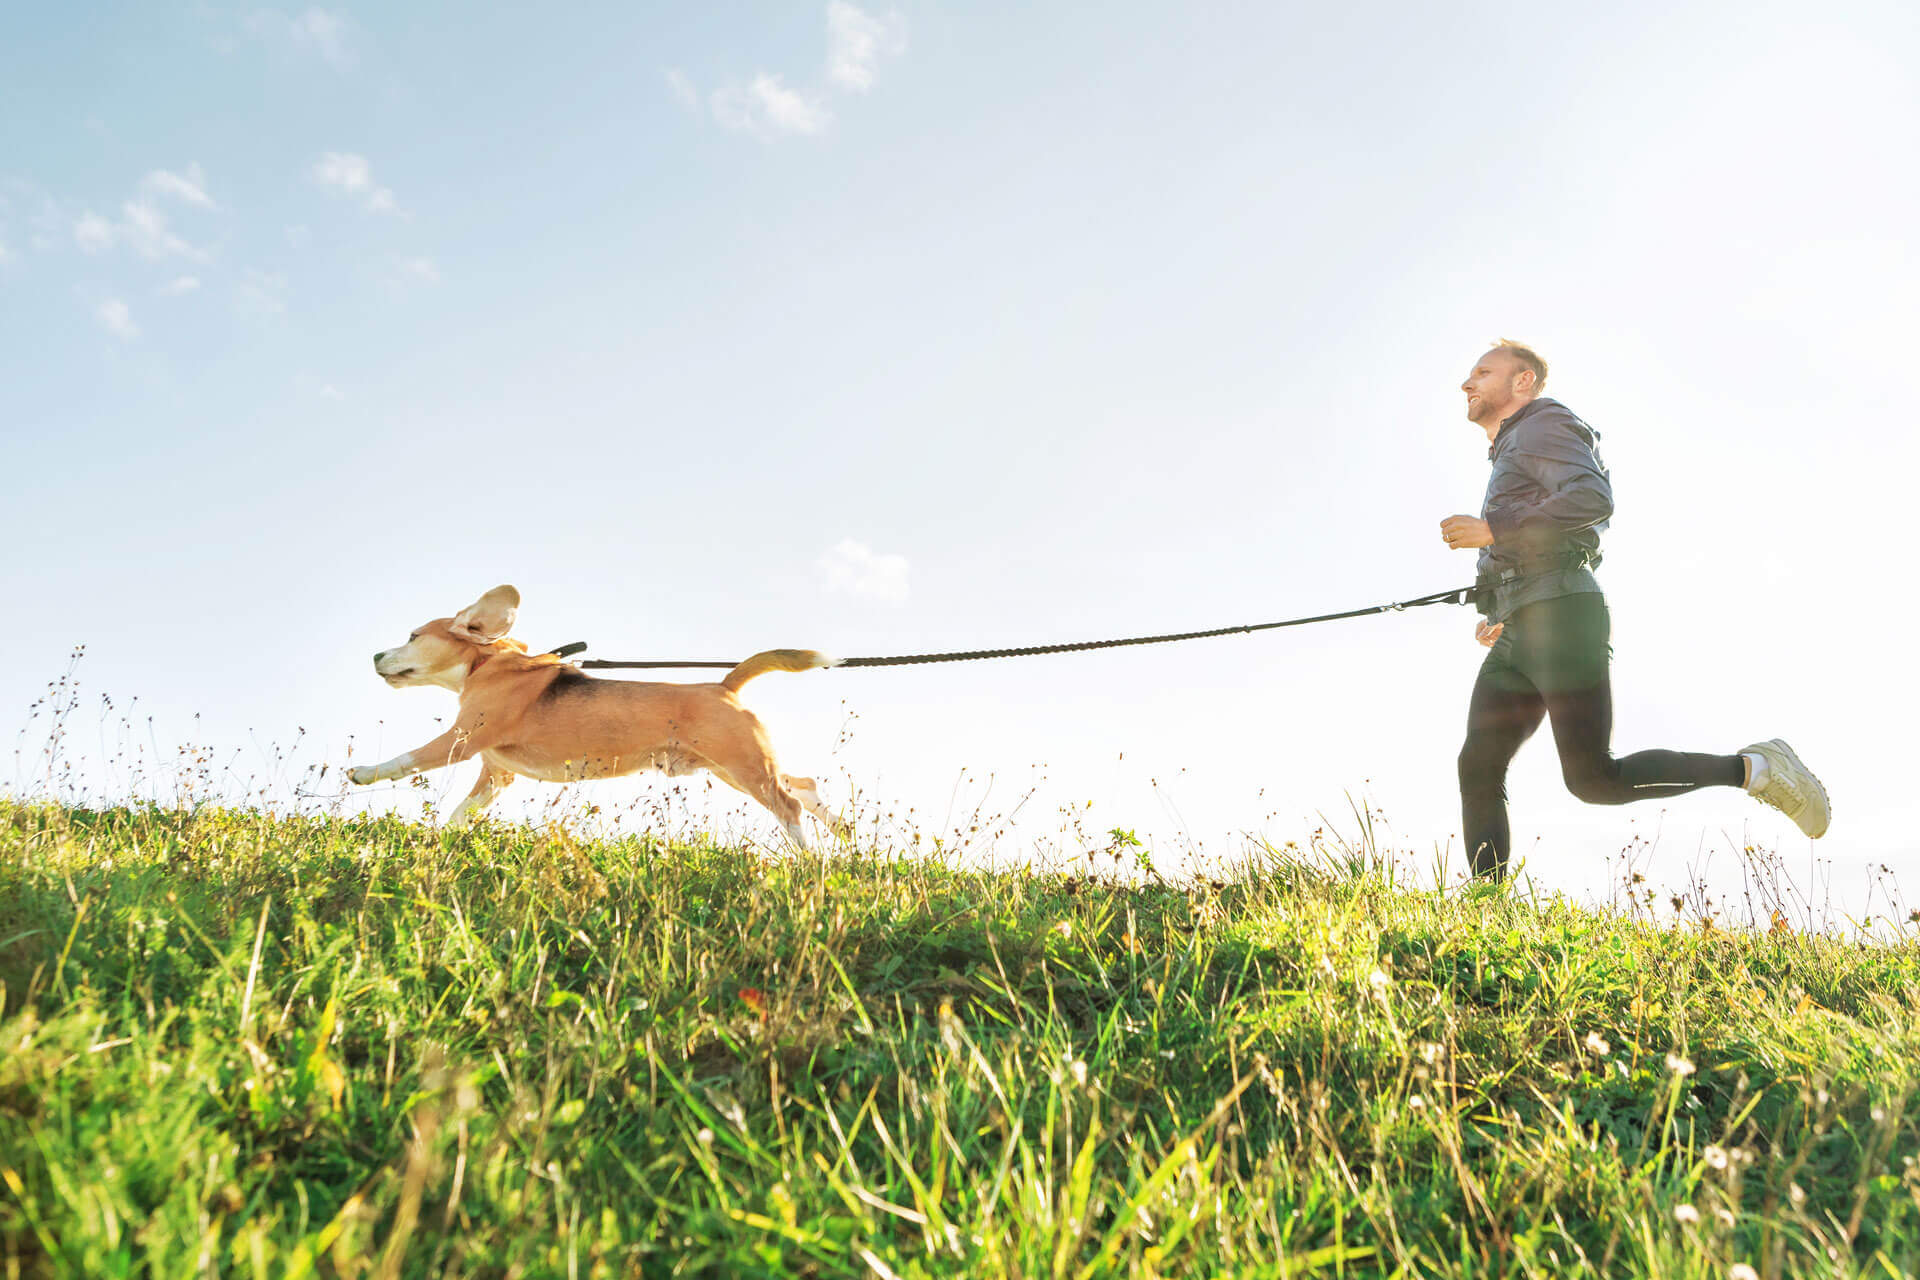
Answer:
(489, 617)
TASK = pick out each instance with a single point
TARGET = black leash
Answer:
(1459, 595)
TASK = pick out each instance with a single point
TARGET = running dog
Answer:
(539, 716)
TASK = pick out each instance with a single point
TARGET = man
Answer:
(1546, 625)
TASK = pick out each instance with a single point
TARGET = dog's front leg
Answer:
(452, 747)
(493, 780)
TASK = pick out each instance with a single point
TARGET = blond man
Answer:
(1547, 630)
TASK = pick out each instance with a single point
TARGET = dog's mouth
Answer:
(401, 674)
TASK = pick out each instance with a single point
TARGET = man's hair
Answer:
(1528, 357)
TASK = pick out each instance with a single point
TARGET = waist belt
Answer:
(1505, 576)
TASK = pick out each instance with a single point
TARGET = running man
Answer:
(1546, 625)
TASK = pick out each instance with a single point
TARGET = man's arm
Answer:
(1558, 457)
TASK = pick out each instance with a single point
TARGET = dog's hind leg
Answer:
(807, 792)
(493, 780)
(765, 786)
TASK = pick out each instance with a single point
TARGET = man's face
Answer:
(1492, 388)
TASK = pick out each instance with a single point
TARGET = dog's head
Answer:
(445, 650)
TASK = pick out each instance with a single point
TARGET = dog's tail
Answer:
(774, 660)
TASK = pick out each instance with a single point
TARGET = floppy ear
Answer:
(489, 617)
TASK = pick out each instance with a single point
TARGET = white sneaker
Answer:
(1791, 787)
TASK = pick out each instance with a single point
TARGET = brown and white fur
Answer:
(539, 716)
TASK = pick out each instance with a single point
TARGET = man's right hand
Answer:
(1486, 634)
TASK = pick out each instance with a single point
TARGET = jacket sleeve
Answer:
(1573, 490)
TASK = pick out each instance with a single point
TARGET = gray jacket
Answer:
(1548, 500)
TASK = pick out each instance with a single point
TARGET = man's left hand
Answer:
(1466, 531)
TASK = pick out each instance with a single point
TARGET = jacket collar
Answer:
(1520, 413)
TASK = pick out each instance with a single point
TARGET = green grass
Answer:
(242, 1045)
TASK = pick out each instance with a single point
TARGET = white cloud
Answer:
(854, 568)
(179, 285)
(192, 188)
(330, 392)
(93, 233)
(421, 269)
(856, 41)
(766, 106)
(682, 89)
(142, 228)
(145, 230)
(324, 32)
(319, 31)
(116, 319)
(351, 175)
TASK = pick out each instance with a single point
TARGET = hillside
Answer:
(243, 1045)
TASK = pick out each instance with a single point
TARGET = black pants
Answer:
(1551, 661)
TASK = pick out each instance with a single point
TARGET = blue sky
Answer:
(868, 328)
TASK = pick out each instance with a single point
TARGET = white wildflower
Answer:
(1741, 1271)
(1597, 1044)
(1716, 1157)
(1678, 1065)
(1686, 1213)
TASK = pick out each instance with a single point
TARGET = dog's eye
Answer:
(414, 636)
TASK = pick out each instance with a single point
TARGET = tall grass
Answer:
(241, 1044)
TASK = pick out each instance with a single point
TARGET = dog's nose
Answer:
(378, 656)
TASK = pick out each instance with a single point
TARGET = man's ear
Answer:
(489, 617)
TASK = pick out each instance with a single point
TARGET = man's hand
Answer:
(1486, 634)
(1466, 531)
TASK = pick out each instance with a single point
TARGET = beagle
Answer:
(539, 716)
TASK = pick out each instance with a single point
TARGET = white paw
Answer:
(361, 775)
